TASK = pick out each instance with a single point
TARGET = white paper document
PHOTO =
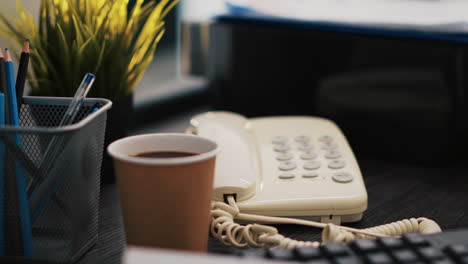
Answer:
(449, 16)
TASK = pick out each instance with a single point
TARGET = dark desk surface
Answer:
(396, 191)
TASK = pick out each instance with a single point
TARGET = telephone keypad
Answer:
(333, 154)
(312, 165)
(281, 148)
(287, 165)
(336, 164)
(309, 167)
(279, 140)
(308, 156)
(284, 156)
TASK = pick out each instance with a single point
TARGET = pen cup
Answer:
(63, 212)
(165, 183)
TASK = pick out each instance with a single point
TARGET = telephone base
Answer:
(291, 166)
(338, 219)
(333, 219)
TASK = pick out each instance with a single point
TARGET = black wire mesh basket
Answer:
(61, 167)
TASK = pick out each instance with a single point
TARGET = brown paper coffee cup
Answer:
(165, 201)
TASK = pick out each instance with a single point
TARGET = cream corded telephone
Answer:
(299, 167)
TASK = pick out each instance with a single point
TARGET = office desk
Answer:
(396, 191)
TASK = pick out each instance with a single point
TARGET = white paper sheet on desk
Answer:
(450, 16)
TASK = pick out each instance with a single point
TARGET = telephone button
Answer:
(286, 175)
(332, 154)
(329, 146)
(305, 146)
(284, 156)
(281, 148)
(336, 164)
(308, 156)
(287, 165)
(325, 138)
(312, 165)
(303, 138)
(279, 140)
(309, 175)
(342, 177)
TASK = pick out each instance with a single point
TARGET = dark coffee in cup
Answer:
(164, 154)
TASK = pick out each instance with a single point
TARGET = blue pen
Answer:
(40, 196)
(25, 221)
(2, 184)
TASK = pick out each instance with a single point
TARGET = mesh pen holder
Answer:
(63, 191)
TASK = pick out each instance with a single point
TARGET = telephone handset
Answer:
(297, 166)
(236, 168)
(285, 166)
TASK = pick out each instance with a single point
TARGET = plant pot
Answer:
(117, 126)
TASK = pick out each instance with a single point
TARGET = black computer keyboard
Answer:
(447, 247)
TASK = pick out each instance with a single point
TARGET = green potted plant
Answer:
(108, 38)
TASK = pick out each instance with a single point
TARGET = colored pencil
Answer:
(22, 74)
(3, 85)
(2, 174)
(2, 73)
(23, 207)
(2, 156)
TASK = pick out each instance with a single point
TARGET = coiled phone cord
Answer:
(230, 233)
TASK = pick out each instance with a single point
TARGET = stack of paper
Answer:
(449, 16)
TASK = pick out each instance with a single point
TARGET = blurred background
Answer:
(404, 85)
(170, 73)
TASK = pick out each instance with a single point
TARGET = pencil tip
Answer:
(7, 55)
(26, 46)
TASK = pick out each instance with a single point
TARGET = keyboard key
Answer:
(308, 253)
(347, 260)
(365, 245)
(336, 249)
(383, 251)
(442, 261)
(464, 260)
(430, 253)
(415, 240)
(379, 258)
(405, 256)
(391, 242)
(457, 251)
(320, 261)
(280, 254)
